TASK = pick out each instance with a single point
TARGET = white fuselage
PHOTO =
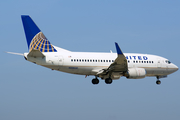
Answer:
(88, 63)
(107, 66)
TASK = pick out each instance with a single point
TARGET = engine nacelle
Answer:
(136, 73)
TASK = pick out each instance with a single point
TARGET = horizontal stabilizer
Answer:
(15, 53)
(35, 53)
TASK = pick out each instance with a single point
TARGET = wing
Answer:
(119, 65)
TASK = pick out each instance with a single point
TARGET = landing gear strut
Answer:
(95, 81)
(108, 80)
(158, 82)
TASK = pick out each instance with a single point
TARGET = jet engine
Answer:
(136, 73)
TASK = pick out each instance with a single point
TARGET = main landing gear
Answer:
(95, 81)
(158, 82)
(108, 80)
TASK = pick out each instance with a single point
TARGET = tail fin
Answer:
(35, 38)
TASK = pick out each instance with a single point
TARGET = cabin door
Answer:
(60, 60)
(159, 63)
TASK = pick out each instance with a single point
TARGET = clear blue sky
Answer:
(32, 92)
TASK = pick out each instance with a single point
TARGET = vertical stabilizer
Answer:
(35, 38)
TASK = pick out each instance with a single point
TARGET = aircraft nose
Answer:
(172, 68)
(175, 68)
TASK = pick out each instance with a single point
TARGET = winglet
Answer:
(119, 52)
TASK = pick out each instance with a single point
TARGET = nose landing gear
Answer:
(158, 82)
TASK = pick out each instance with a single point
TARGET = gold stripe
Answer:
(44, 45)
(41, 44)
(47, 47)
(52, 48)
(108, 66)
(35, 41)
(38, 43)
(32, 43)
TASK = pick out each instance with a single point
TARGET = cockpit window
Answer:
(168, 62)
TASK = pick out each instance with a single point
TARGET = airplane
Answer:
(107, 66)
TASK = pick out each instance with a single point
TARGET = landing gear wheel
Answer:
(95, 81)
(158, 82)
(108, 80)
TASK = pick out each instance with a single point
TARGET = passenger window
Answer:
(87, 60)
(152, 61)
(133, 61)
(82, 60)
(71, 60)
(149, 61)
(109, 60)
(144, 61)
(136, 61)
(79, 60)
(112, 60)
(103, 60)
(74, 60)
